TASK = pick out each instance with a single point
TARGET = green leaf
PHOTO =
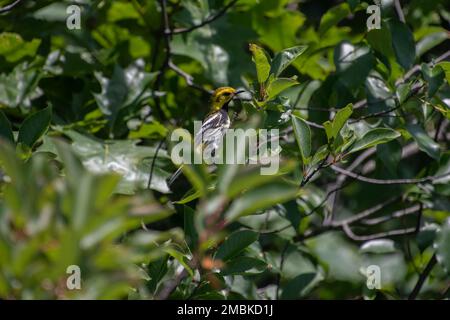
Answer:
(379, 95)
(303, 136)
(20, 87)
(333, 16)
(13, 48)
(443, 246)
(279, 85)
(244, 266)
(333, 128)
(390, 154)
(248, 178)
(284, 58)
(261, 198)
(353, 4)
(189, 226)
(403, 92)
(156, 271)
(378, 246)
(5, 128)
(124, 157)
(373, 138)
(426, 144)
(180, 257)
(353, 63)
(34, 126)
(125, 89)
(300, 286)
(446, 67)
(403, 43)
(434, 76)
(262, 62)
(236, 243)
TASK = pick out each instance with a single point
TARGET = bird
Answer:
(215, 124)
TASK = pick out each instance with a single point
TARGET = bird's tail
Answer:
(174, 176)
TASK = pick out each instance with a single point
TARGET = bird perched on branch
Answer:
(215, 124)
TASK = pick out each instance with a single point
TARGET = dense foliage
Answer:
(85, 116)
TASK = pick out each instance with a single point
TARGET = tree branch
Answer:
(187, 77)
(422, 277)
(9, 7)
(171, 285)
(387, 181)
(394, 215)
(152, 167)
(418, 67)
(204, 22)
(365, 213)
(355, 237)
(399, 10)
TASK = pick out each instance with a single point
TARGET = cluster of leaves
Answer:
(84, 115)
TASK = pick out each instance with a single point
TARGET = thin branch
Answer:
(282, 258)
(365, 213)
(187, 77)
(394, 215)
(204, 22)
(165, 26)
(380, 235)
(399, 10)
(171, 285)
(9, 7)
(321, 165)
(387, 181)
(341, 179)
(153, 164)
(418, 67)
(402, 232)
(414, 90)
(422, 277)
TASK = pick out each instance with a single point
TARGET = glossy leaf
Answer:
(303, 136)
(5, 128)
(403, 43)
(261, 198)
(284, 58)
(235, 243)
(374, 137)
(34, 126)
(332, 128)
(426, 144)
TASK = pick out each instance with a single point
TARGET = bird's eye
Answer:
(226, 94)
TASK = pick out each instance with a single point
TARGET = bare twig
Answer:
(208, 20)
(394, 215)
(9, 7)
(152, 167)
(380, 235)
(282, 258)
(391, 233)
(422, 277)
(418, 67)
(365, 213)
(387, 181)
(171, 285)
(341, 179)
(399, 10)
(187, 77)
(309, 176)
